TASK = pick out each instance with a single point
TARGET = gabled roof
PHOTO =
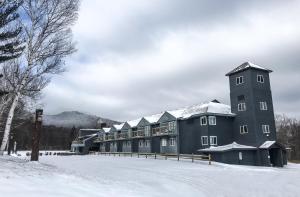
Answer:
(245, 66)
(232, 146)
(106, 130)
(134, 123)
(118, 126)
(154, 118)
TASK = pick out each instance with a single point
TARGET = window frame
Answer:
(260, 79)
(266, 128)
(242, 128)
(263, 106)
(203, 118)
(239, 80)
(240, 106)
(211, 139)
(202, 140)
(210, 118)
(164, 142)
(172, 141)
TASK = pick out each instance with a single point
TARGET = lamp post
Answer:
(36, 134)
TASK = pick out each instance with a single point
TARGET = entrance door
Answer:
(276, 157)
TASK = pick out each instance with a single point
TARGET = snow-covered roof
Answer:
(267, 144)
(119, 126)
(154, 118)
(210, 107)
(106, 129)
(227, 147)
(89, 129)
(245, 66)
(134, 123)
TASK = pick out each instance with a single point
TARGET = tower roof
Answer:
(245, 66)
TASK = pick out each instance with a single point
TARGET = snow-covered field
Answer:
(96, 175)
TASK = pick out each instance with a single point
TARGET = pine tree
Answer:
(10, 46)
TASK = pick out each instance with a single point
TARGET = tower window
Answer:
(203, 120)
(204, 140)
(213, 140)
(212, 120)
(243, 129)
(239, 80)
(260, 78)
(242, 107)
(263, 106)
(266, 128)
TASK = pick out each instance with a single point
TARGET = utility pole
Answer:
(36, 134)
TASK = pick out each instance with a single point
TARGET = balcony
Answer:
(99, 139)
(160, 131)
(122, 136)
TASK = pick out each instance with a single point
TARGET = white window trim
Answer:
(210, 118)
(239, 80)
(201, 118)
(164, 142)
(242, 106)
(202, 140)
(263, 106)
(266, 128)
(260, 79)
(211, 140)
(242, 129)
(172, 142)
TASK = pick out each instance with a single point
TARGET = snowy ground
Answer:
(95, 175)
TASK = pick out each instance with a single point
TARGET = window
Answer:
(204, 140)
(164, 142)
(141, 143)
(147, 143)
(147, 130)
(242, 107)
(172, 126)
(172, 141)
(203, 120)
(260, 78)
(239, 80)
(243, 129)
(213, 140)
(212, 120)
(128, 144)
(266, 128)
(263, 106)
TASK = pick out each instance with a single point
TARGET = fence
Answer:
(179, 157)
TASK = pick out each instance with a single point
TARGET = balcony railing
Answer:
(99, 139)
(77, 142)
(162, 131)
(122, 135)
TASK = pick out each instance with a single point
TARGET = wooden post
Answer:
(192, 157)
(209, 159)
(166, 157)
(131, 154)
(138, 155)
(154, 155)
(146, 155)
(36, 135)
(177, 157)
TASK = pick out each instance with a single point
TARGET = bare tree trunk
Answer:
(8, 123)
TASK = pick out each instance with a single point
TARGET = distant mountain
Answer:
(69, 119)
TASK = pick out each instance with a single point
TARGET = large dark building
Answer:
(244, 133)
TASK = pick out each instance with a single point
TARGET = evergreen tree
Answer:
(10, 46)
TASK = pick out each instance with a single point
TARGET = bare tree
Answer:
(47, 32)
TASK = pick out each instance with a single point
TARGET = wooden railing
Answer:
(165, 156)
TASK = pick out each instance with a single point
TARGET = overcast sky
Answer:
(139, 57)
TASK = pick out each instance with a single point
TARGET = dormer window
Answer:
(260, 79)
(212, 120)
(239, 80)
(263, 106)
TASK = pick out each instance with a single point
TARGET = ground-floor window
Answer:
(213, 140)
(141, 143)
(163, 142)
(204, 140)
(172, 141)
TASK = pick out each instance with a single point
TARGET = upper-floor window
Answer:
(242, 107)
(212, 120)
(260, 78)
(203, 120)
(266, 128)
(164, 142)
(147, 130)
(172, 141)
(243, 129)
(239, 80)
(172, 126)
(213, 140)
(204, 140)
(263, 106)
